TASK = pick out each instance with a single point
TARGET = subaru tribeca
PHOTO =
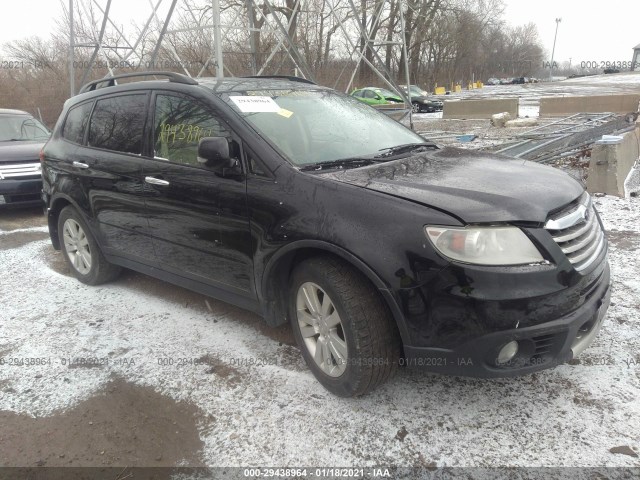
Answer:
(307, 206)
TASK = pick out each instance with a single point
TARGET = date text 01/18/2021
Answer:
(328, 472)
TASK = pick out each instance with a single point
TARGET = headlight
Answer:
(484, 245)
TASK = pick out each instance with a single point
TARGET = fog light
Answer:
(507, 352)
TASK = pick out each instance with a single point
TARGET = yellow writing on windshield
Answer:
(183, 132)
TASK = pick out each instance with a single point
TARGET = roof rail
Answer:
(283, 77)
(111, 81)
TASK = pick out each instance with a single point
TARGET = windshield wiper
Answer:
(343, 162)
(408, 147)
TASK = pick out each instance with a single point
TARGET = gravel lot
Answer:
(170, 380)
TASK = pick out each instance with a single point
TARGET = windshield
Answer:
(21, 128)
(315, 126)
(417, 91)
(386, 93)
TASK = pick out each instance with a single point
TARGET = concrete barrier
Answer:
(563, 106)
(610, 164)
(480, 108)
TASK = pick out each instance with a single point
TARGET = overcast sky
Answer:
(604, 31)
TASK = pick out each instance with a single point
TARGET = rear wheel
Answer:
(81, 250)
(415, 107)
(343, 327)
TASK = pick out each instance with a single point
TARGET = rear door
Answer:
(198, 219)
(110, 166)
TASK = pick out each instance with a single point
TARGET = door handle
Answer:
(80, 165)
(156, 181)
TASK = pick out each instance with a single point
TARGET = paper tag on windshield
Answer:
(284, 112)
(254, 104)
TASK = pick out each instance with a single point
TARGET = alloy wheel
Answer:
(321, 329)
(76, 244)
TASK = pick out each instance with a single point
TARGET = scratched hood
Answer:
(476, 187)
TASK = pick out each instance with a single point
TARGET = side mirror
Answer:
(214, 152)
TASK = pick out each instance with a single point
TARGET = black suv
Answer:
(21, 139)
(309, 207)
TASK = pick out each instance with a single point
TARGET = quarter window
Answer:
(76, 123)
(179, 125)
(117, 124)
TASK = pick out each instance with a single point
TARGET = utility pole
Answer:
(406, 64)
(217, 39)
(252, 38)
(72, 80)
(558, 20)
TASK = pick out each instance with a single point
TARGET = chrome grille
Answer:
(18, 170)
(578, 233)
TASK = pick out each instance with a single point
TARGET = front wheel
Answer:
(81, 250)
(345, 331)
(415, 108)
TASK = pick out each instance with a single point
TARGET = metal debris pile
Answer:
(567, 137)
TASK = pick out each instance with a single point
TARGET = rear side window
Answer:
(117, 123)
(76, 123)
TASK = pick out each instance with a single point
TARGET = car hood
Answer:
(20, 151)
(423, 99)
(473, 186)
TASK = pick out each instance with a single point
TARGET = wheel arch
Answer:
(275, 280)
(57, 204)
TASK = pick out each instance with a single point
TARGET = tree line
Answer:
(338, 43)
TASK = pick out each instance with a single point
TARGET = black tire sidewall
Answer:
(71, 213)
(347, 384)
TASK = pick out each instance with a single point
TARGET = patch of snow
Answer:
(632, 182)
(531, 111)
(632, 78)
(21, 230)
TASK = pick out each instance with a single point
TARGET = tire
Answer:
(351, 343)
(81, 251)
(415, 107)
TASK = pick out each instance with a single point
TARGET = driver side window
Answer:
(179, 124)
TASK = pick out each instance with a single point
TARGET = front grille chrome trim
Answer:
(19, 170)
(578, 233)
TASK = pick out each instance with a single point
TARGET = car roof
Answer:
(228, 84)
(241, 84)
(377, 89)
(8, 111)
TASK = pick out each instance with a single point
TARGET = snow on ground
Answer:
(530, 111)
(626, 78)
(276, 413)
(529, 94)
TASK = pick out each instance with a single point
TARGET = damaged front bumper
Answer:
(536, 347)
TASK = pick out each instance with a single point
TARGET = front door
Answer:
(198, 219)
